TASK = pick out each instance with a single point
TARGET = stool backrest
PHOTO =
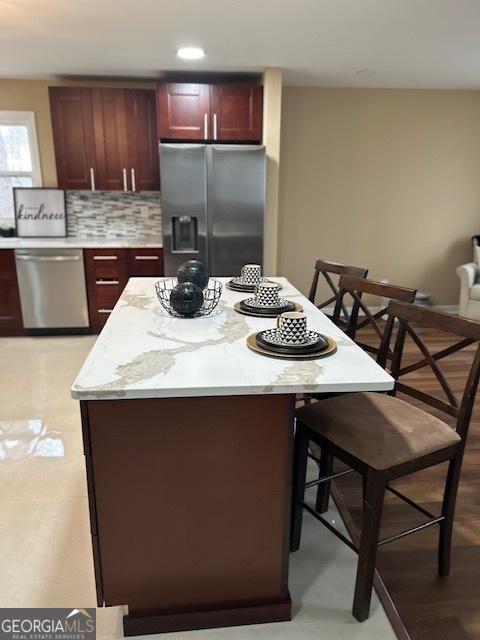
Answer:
(410, 317)
(327, 269)
(352, 288)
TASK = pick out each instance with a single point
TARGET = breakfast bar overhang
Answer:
(188, 441)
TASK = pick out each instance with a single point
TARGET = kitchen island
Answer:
(188, 442)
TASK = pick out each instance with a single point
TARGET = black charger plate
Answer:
(306, 355)
(316, 347)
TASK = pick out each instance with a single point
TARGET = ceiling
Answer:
(407, 43)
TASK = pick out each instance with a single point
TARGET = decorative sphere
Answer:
(186, 298)
(193, 271)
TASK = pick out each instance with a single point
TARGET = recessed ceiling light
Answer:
(365, 72)
(190, 53)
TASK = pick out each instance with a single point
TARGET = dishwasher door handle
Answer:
(48, 258)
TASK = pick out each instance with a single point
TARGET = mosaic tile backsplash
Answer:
(111, 214)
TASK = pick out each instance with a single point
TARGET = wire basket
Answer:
(211, 296)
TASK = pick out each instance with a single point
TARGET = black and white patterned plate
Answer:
(252, 303)
(240, 282)
(245, 288)
(274, 337)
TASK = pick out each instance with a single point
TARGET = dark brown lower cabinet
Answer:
(108, 271)
(11, 323)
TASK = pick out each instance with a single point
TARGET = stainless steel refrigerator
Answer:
(213, 200)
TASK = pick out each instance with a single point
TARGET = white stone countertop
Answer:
(143, 352)
(152, 242)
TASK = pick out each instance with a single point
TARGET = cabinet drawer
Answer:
(105, 264)
(106, 271)
(105, 298)
(99, 317)
(145, 262)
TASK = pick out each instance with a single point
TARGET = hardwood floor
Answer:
(432, 607)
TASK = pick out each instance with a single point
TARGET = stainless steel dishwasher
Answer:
(53, 292)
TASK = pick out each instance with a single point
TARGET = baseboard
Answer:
(447, 308)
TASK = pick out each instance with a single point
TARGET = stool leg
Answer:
(323, 491)
(371, 520)
(300, 458)
(448, 511)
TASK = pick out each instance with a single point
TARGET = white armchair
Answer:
(469, 304)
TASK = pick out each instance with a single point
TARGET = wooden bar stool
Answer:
(327, 268)
(350, 291)
(383, 437)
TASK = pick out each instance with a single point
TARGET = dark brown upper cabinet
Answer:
(72, 121)
(110, 127)
(183, 111)
(105, 139)
(142, 140)
(236, 112)
(214, 113)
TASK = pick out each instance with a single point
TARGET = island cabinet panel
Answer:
(107, 272)
(105, 139)
(237, 112)
(72, 122)
(183, 111)
(190, 506)
(11, 323)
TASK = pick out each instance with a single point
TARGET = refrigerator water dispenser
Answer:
(184, 234)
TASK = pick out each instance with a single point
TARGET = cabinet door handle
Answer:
(92, 179)
(125, 185)
(132, 173)
(146, 258)
(106, 282)
(214, 126)
(104, 257)
(205, 126)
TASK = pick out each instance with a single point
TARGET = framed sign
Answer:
(39, 212)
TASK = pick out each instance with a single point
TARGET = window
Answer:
(19, 159)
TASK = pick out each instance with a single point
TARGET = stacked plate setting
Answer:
(239, 284)
(292, 338)
(271, 340)
(251, 305)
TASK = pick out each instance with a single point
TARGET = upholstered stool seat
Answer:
(382, 431)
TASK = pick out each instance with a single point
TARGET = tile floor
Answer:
(45, 553)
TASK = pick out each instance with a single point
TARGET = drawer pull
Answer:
(146, 258)
(104, 282)
(104, 310)
(105, 257)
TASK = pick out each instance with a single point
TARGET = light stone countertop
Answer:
(143, 352)
(151, 242)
